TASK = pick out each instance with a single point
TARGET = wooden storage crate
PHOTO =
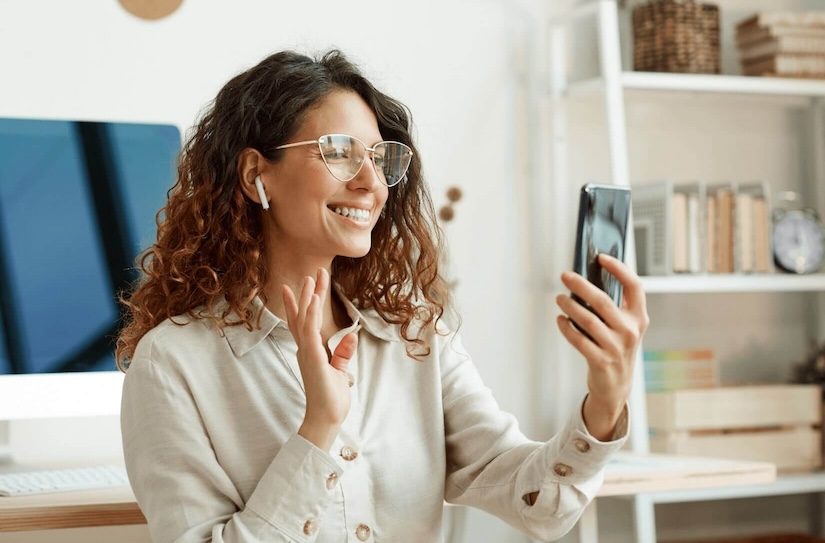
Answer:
(772, 423)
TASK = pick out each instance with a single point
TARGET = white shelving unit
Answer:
(683, 284)
(614, 86)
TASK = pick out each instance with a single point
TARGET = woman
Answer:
(288, 376)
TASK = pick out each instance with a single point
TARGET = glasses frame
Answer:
(366, 150)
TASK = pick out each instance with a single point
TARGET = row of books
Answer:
(702, 228)
(676, 369)
(788, 44)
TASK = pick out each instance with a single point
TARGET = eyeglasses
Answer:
(344, 157)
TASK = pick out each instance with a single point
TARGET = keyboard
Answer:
(61, 480)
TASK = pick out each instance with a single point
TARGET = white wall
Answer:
(458, 64)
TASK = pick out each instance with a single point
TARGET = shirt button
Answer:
(562, 470)
(310, 527)
(348, 453)
(332, 480)
(363, 532)
(581, 445)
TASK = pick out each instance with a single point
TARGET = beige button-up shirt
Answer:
(209, 426)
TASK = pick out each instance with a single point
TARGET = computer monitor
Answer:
(77, 204)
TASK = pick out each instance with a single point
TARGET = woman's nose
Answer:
(367, 177)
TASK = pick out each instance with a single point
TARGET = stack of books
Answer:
(738, 231)
(699, 227)
(783, 44)
(680, 369)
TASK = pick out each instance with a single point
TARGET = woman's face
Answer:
(304, 194)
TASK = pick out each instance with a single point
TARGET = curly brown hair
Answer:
(209, 234)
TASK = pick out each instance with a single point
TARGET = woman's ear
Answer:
(253, 184)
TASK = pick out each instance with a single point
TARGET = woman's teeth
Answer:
(359, 215)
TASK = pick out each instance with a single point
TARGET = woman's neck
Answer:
(334, 315)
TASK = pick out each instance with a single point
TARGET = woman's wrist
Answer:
(601, 418)
(320, 435)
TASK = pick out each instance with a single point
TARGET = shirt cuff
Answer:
(581, 457)
(296, 489)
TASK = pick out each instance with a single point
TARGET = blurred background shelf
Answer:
(702, 83)
(795, 483)
(703, 283)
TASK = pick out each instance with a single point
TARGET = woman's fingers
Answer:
(321, 284)
(579, 341)
(291, 307)
(344, 352)
(632, 289)
(586, 320)
(593, 296)
(312, 321)
(307, 289)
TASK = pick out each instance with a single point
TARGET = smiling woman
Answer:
(289, 377)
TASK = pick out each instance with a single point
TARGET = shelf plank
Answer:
(705, 283)
(722, 84)
(657, 474)
(798, 483)
(735, 84)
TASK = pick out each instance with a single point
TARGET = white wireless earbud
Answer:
(261, 193)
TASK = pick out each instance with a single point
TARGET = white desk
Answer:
(631, 474)
(106, 507)
(627, 474)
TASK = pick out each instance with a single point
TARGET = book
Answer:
(711, 262)
(786, 18)
(694, 234)
(787, 64)
(761, 235)
(785, 45)
(680, 231)
(724, 232)
(759, 34)
(744, 223)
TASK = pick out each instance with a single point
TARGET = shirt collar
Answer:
(241, 340)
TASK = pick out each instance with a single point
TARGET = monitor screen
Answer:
(77, 204)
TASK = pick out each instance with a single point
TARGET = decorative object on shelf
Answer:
(798, 236)
(447, 213)
(678, 36)
(812, 369)
(151, 10)
(783, 44)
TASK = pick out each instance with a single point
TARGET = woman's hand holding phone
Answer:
(616, 333)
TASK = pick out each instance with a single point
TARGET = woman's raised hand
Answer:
(326, 381)
(616, 336)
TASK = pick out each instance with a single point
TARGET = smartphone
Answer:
(604, 211)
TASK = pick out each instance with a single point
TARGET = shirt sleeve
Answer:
(491, 465)
(183, 491)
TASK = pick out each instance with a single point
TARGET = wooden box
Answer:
(772, 423)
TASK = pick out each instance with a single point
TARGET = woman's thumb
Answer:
(344, 351)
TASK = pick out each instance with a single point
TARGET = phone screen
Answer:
(602, 228)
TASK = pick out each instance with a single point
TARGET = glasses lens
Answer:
(343, 155)
(391, 161)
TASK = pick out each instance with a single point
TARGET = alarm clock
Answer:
(798, 240)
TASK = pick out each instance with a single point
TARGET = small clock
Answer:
(798, 240)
